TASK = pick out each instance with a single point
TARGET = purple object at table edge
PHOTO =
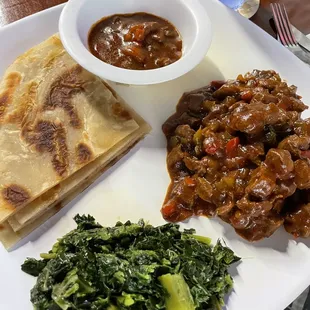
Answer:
(234, 4)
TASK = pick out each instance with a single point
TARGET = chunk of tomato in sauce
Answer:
(232, 146)
(173, 213)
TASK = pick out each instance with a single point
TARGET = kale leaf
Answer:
(33, 266)
(118, 268)
(86, 222)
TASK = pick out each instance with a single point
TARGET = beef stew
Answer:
(240, 150)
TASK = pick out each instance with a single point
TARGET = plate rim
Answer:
(303, 284)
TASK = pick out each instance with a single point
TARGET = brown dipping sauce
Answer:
(138, 41)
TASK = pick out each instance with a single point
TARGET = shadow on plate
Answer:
(279, 241)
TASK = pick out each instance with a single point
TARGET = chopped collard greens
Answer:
(131, 266)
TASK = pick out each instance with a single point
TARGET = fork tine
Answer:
(284, 23)
(288, 26)
(279, 25)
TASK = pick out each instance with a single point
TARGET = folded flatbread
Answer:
(55, 195)
(9, 238)
(58, 125)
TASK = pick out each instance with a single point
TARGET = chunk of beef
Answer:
(302, 127)
(302, 174)
(263, 97)
(227, 205)
(293, 117)
(175, 163)
(285, 189)
(261, 227)
(254, 208)
(289, 103)
(183, 118)
(215, 112)
(201, 166)
(283, 88)
(239, 220)
(234, 163)
(204, 189)
(226, 90)
(262, 184)
(192, 101)
(294, 144)
(183, 193)
(252, 118)
(204, 208)
(268, 83)
(263, 74)
(242, 178)
(251, 152)
(280, 163)
(185, 132)
(297, 223)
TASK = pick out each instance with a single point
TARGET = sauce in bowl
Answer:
(138, 41)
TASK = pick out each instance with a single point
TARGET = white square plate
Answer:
(273, 272)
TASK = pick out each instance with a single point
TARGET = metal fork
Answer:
(285, 33)
(283, 25)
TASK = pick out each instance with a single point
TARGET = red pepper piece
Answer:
(231, 146)
(246, 95)
(169, 209)
(189, 181)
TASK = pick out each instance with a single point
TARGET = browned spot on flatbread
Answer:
(49, 137)
(2, 227)
(15, 195)
(120, 112)
(26, 104)
(12, 80)
(83, 153)
(62, 91)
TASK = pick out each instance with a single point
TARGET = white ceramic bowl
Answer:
(188, 16)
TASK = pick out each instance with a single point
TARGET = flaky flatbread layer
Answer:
(9, 238)
(55, 118)
(52, 197)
